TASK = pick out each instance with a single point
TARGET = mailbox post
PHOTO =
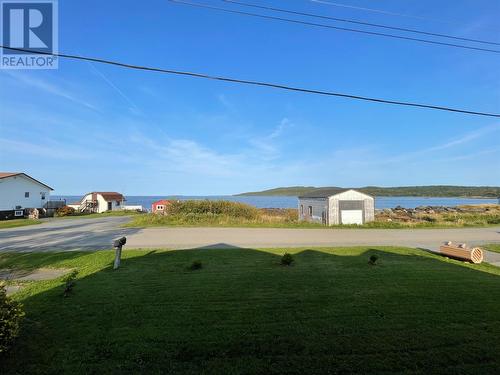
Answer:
(118, 244)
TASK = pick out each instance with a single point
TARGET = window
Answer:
(117, 203)
(310, 209)
(43, 195)
(27, 194)
(302, 209)
(160, 207)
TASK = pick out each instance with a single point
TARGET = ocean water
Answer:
(291, 202)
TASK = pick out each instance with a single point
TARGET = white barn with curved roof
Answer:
(337, 206)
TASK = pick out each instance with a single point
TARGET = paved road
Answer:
(65, 234)
(96, 234)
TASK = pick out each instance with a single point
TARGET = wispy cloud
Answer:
(53, 151)
(226, 103)
(266, 145)
(451, 143)
(133, 107)
(50, 88)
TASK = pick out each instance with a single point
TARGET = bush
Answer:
(373, 260)
(196, 265)
(212, 208)
(287, 260)
(69, 282)
(11, 313)
(65, 211)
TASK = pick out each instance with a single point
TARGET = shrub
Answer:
(11, 313)
(373, 260)
(65, 211)
(209, 208)
(69, 282)
(287, 259)
(196, 265)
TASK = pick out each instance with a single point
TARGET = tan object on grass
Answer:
(461, 251)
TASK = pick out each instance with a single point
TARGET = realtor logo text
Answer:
(29, 28)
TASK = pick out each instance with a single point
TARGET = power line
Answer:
(198, 5)
(360, 22)
(255, 83)
(372, 10)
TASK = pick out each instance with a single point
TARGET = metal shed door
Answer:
(351, 216)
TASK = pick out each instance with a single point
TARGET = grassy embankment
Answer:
(231, 214)
(4, 224)
(242, 312)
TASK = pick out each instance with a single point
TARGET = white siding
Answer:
(13, 189)
(331, 206)
(333, 211)
(102, 203)
(351, 195)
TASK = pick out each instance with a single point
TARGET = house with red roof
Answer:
(160, 206)
(99, 202)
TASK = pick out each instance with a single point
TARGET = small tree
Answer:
(373, 260)
(11, 313)
(287, 259)
(69, 282)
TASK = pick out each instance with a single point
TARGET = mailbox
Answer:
(118, 252)
(120, 242)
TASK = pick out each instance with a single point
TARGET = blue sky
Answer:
(89, 127)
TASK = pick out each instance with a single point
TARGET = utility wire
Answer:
(254, 83)
(359, 22)
(372, 10)
(205, 6)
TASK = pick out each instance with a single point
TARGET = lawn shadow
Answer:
(331, 312)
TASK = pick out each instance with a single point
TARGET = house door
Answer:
(110, 206)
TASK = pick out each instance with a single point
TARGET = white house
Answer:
(100, 201)
(336, 206)
(19, 192)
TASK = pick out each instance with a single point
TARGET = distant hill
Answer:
(403, 191)
(293, 191)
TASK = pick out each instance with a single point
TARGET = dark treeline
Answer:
(410, 191)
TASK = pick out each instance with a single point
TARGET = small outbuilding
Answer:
(336, 206)
(159, 207)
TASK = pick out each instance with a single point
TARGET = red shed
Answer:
(160, 206)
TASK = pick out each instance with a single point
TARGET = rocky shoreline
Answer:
(440, 209)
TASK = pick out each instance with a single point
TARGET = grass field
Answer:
(104, 214)
(17, 223)
(493, 247)
(243, 313)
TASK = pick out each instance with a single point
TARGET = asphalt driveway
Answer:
(99, 233)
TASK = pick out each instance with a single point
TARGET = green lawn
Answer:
(243, 313)
(17, 223)
(493, 247)
(104, 214)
